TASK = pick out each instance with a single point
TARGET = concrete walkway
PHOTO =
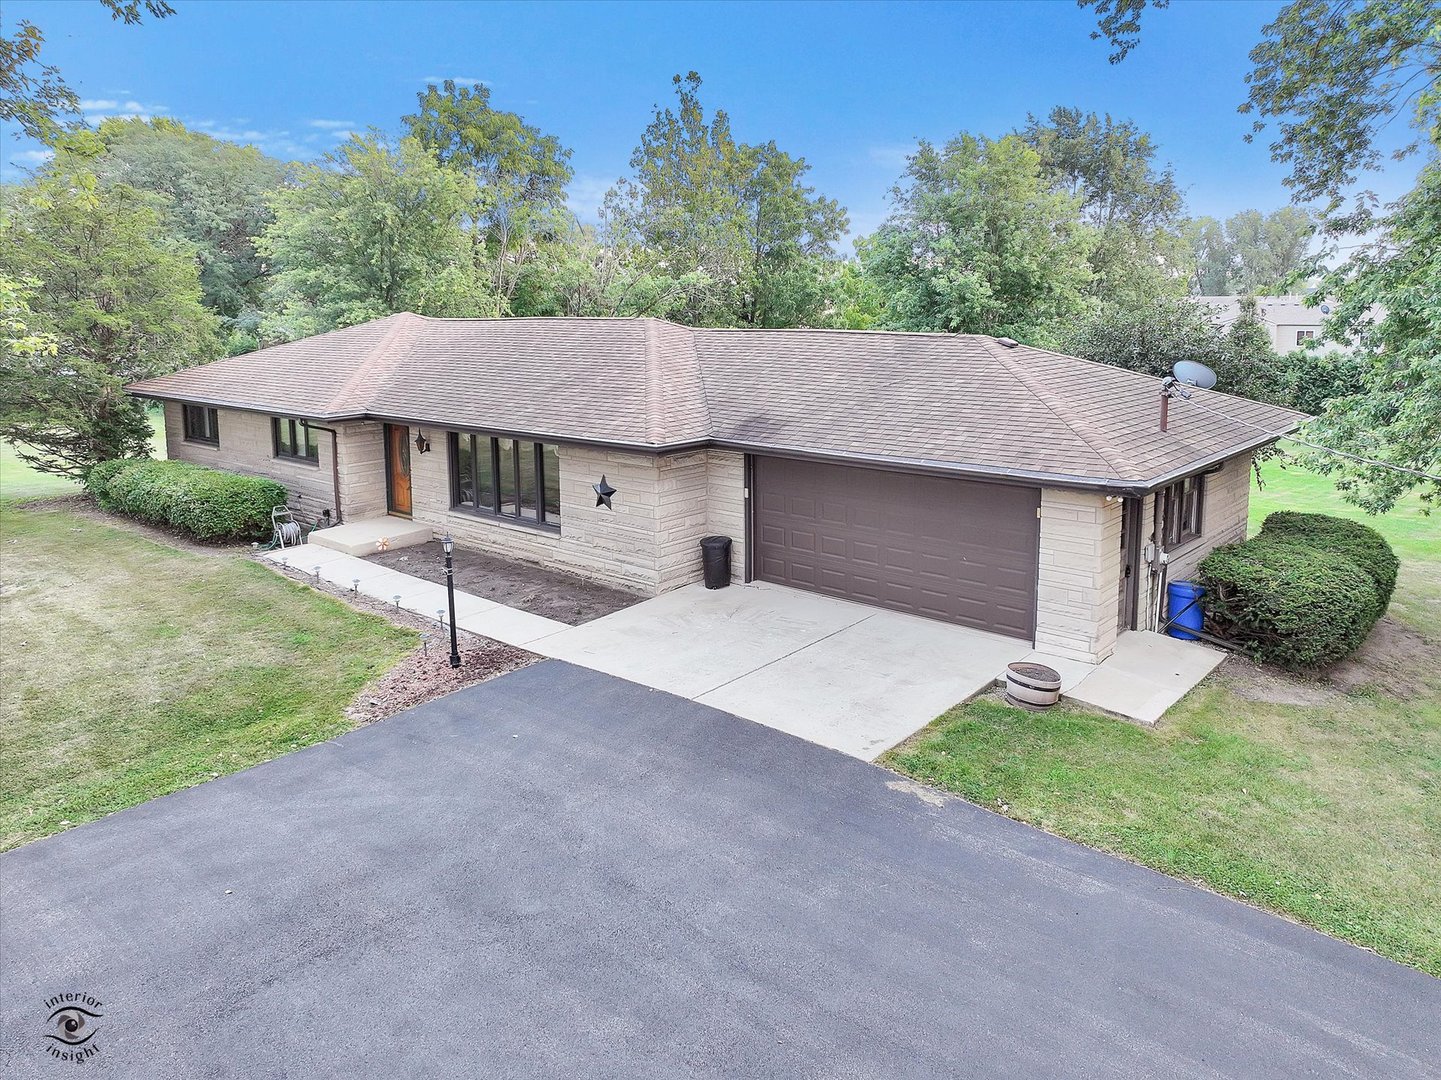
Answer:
(473, 613)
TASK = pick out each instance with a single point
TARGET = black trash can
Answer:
(715, 557)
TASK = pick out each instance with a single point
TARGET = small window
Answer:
(294, 439)
(1182, 508)
(201, 424)
(505, 477)
(1303, 336)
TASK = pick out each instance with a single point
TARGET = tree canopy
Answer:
(734, 222)
(373, 230)
(980, 242)
(517, 173)
(120, 300)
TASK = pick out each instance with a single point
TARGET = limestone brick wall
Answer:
(726, 504)
(247, 446)
(1079, 574)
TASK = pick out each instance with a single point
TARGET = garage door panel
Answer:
(956, 550)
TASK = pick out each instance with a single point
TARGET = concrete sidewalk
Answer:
(472, 613)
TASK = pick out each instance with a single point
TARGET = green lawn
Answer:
(132, 669)
(19, 481)
(1317, 800)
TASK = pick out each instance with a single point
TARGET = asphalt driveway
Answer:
(559, 873)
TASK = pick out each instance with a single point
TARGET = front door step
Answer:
(372, 535)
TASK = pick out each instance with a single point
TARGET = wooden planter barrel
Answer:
(1032, 686)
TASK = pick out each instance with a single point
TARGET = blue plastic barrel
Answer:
(1183, 604)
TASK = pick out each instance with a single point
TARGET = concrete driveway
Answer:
(854, 678)
(562, 874)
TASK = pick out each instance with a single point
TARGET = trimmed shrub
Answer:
(1361, 544)
(207, 504)
(1289, 603)
(100, 475)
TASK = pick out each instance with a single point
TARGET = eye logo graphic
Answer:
(72, 1025)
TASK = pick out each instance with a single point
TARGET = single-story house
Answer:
(959, 477)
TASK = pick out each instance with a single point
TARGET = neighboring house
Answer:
(1287, 319)
(963, 478)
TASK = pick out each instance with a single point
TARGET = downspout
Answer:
(334, 466)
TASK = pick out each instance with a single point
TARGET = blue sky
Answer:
(850, 87)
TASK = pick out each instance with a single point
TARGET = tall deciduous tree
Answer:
(1253, 253)
(735, 221)
(33, 94)
(1331, 75)
(518, 174)
(216, 196)
(374, 229)
(1389, 302)
(979, 242)
(1133, 206)
(122, 302)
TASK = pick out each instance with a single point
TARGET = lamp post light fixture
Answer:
(447, 545)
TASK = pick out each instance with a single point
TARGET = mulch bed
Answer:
(426, 674)
(555, 594)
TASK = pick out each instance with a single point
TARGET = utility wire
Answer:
(1314, 446)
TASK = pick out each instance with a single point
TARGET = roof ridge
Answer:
(654, 388)
(379, 356)
(1108, 454)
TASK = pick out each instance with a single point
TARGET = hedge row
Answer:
(205, 503)
(1304, 592)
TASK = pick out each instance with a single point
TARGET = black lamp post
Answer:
(448, 546)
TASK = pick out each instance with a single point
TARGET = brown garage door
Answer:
(948, 549)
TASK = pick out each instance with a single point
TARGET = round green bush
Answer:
(1289, 603)
(1360, 543)
(207, 504)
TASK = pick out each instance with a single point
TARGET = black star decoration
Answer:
(603, 492)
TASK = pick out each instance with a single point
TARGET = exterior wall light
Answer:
(422, 444)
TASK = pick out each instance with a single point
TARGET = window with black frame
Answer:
(295, 440)
(509, 478)
(201, 424)
(1182, 508)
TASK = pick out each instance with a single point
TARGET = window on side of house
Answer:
(295, 440)
(1182, 508)
(201, 424)
(1303, 336)
(509, 478)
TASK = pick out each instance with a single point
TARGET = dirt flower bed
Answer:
(554, 594)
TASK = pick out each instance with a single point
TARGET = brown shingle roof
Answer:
(939, 401)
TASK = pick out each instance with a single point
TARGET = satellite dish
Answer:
(1325, 309)
(1190, 373)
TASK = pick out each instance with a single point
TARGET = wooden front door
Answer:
(397, 469)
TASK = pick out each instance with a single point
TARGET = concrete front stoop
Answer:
(371, 535)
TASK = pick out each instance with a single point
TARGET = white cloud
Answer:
(99, 109)
(892, 157)
(586, 193)
(332, 124)
(459, 80)
(33, 157)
